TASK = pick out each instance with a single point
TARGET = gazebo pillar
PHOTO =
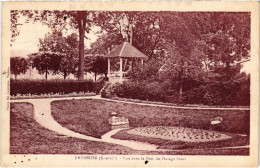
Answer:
(108, 69)
(142, 64)
(121, 70)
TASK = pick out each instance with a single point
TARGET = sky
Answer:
(30, 33)
(28, 39)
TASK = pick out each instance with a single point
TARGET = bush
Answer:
(38, 87)
(144, 90)
(195, 95)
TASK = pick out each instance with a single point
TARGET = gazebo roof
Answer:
(126, 50)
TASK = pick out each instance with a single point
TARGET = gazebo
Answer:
(123, 51)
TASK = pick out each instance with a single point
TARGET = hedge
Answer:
(38, 87)
(143, 90)
(204, 94)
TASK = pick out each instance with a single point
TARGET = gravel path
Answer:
(132, 144)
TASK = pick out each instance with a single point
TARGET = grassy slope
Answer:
(90, 117)
(28, 137)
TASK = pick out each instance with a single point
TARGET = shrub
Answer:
(195, 95)
(38, 87)
(144, 90)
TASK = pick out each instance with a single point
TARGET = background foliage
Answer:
(193, 56)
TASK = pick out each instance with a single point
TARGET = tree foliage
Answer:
(65, 48)
(195, 52)
(18, 65)
(58, 21)
(45, 62)
(96, 65)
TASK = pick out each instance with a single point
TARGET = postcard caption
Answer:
(132, 158)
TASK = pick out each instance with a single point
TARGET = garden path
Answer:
(42, 114)
(133, 144)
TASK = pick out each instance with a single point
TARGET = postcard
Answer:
(130, 83)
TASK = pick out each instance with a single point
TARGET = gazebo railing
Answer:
(117, 74)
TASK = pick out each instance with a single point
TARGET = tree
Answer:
(18, 65)
(225, 35)
(45, 62)
(97, 65)
(141, 29)
(226, 38)
(80, 20)
(65, 48)
(182, 51)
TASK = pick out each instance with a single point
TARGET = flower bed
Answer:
(234, 141)
(179, 134)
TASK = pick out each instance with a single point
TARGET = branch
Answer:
(86, 29)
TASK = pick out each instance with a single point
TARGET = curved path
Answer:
(42, 114)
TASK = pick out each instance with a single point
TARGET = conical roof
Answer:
(126, 50)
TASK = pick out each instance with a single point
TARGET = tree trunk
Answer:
(95, 76)
(131, 33)
(65, 75)
(46, 74)
(15, 76)
(227, 65)
(81, 27)
(180, 82)
(181, 88)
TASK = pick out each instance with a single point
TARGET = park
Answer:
(131, 83)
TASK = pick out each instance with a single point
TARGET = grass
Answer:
(28, 137)
(169, 144)
(90, 117)
(174, 104)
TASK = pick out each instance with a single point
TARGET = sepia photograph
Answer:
(128, 85)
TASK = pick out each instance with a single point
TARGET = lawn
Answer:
(28, 137)
(90, 117)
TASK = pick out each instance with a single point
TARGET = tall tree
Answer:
(97, 65)
(58, 20)
(45, 62)
(141, 29)
(182, 50)
(18, 65)
(225, 35)
(64, 47)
